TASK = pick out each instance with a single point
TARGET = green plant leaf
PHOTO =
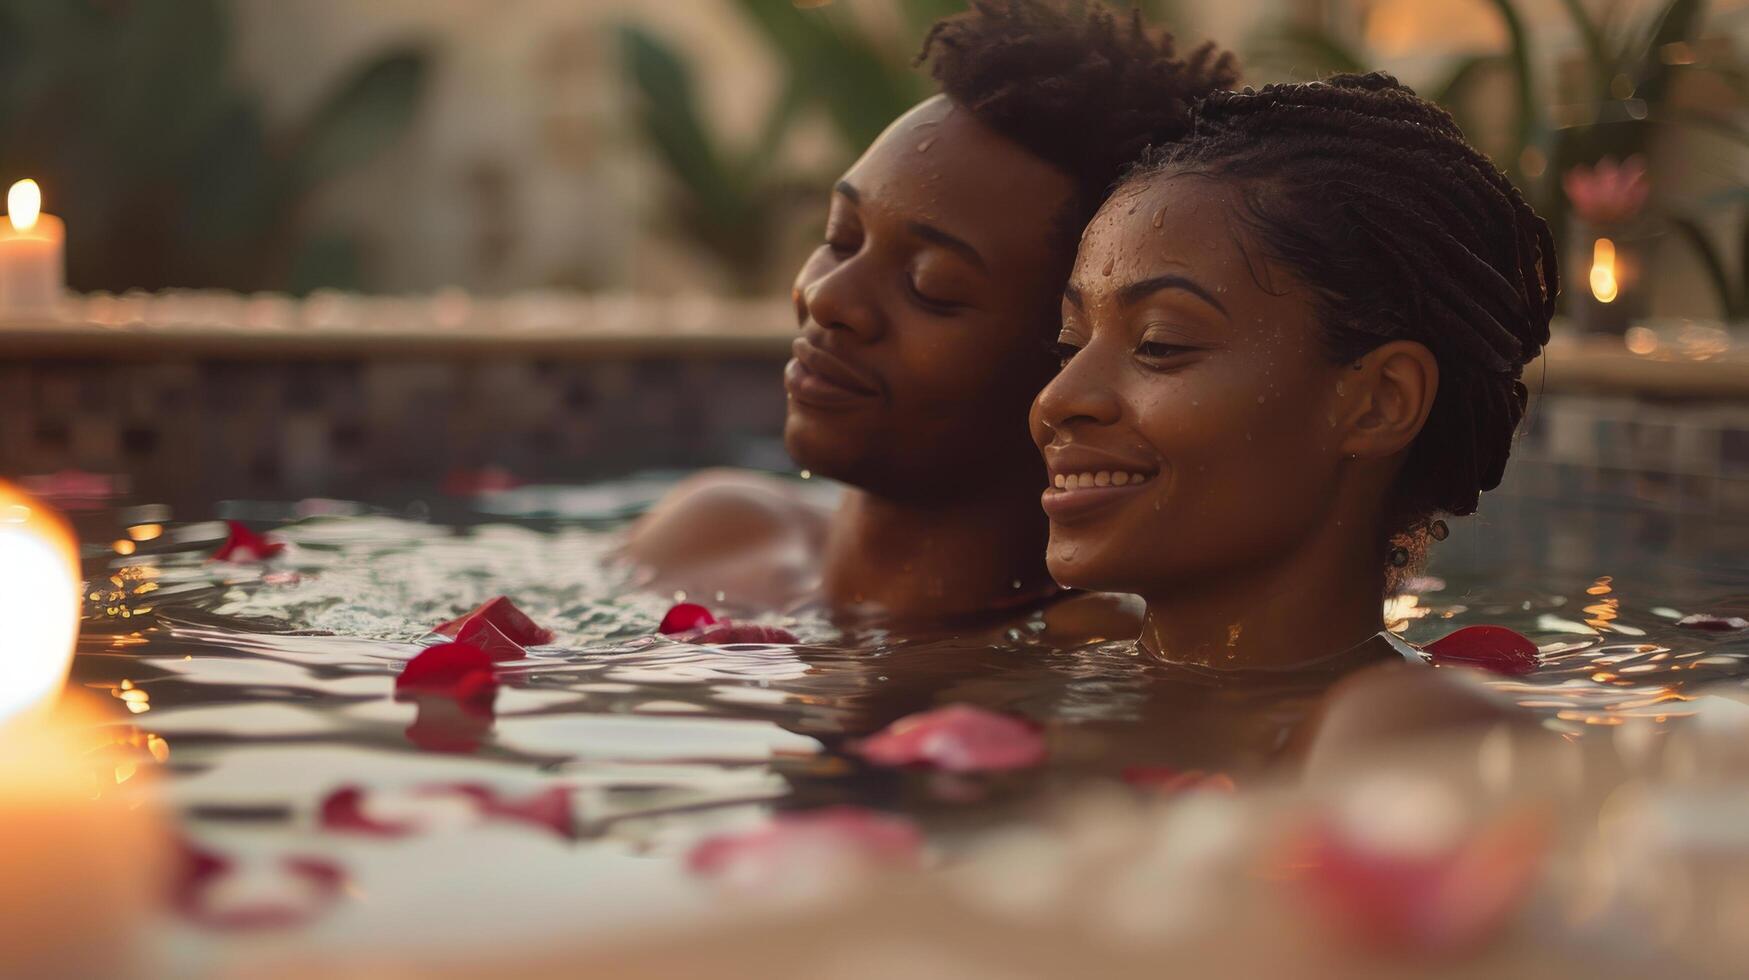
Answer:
(1597, 55)
(1711, 262)
(1527, 120)
(1680, 22)
(367, 113)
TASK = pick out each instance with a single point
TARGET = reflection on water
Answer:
(261, 689)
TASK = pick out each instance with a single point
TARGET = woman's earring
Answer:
(1438, 531)
(1399, 557)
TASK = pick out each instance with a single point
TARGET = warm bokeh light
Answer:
(1603, 282)
(24, 202)
(39, 602)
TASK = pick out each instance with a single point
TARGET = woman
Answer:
(925, 318)
(1291, 341)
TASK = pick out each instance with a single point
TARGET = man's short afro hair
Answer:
(1084, 87)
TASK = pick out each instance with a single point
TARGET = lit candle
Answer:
(32, 263)
(83, 869)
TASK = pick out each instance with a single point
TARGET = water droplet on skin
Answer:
(1259, 399)
(807, 474)
(1110, 264)
(1160, 217)
(924, 146)
(1339, 387)
(721, 595)
(680, 595)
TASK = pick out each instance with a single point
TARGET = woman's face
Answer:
(1192, 432)
(926, 312)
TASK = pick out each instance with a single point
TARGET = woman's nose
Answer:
(1081, 394)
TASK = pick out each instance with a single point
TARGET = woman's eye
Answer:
(841, 246)
(1062, 352)
(1158, 349)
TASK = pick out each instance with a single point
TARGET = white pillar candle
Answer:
(32, 255)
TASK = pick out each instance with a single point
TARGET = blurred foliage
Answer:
(1731, 292)
(164, 168)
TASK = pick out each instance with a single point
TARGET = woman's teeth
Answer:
(1103, 478)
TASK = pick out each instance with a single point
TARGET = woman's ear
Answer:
(1391, 389)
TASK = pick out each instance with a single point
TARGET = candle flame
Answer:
(1603, 283)
(39, 602)
(24, 202)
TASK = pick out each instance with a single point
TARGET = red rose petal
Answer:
(793, 841)
(957, 738)
(1494, 648)
(480, 632)
(245, 546)
(684, 617)
(1717, 624)
(455, 670)
(201, 870)
(1169, 781)
(1421, 903)
(502, 614)
(342, 811)
(550, 808)
(726, 632)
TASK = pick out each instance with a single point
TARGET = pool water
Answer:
(261, 689)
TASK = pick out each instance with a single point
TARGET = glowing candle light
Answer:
(85, 862)
(1603, 281)
(39, 603)
(32, 263)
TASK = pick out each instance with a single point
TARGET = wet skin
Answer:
(924, 322)
(1255, 470)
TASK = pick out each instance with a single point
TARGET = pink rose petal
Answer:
(1493, 648)
(1422, 903)
(342, 811)
(957, 738)
(321, 882)
(502, 614)
(726, 632)
(792, 842)
(245, 546)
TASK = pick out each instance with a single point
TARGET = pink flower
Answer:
(1493, 648)
(795, 844)
(245, 546)
(957, 738)
(502, 614)
(1608, 192)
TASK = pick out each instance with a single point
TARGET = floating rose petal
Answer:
(1718, 624)
(549, 808)
(342, 811)
(473, 483)
(1420, 902)
(502, 614)
(799, 843)
(460, 671)
(1170, 782)
(957, 738)
(480, 632)
(320, 882)
(684, 617)
(726, 632)
(244, 546)
(1494, 648)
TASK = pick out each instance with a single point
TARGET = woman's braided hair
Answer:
(1074, 82)
(1403, 230)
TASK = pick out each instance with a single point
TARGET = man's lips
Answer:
(816, 377)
